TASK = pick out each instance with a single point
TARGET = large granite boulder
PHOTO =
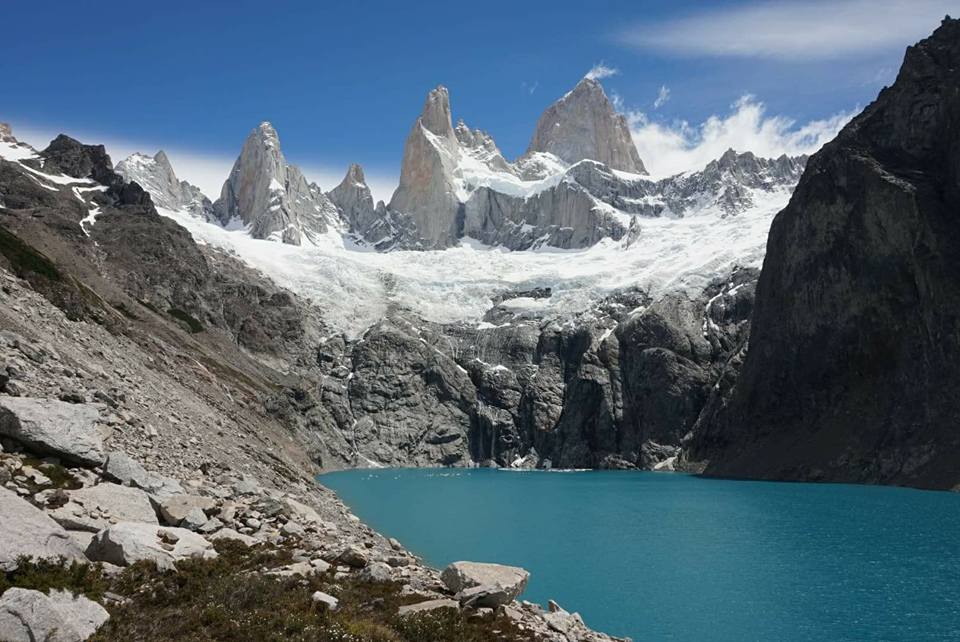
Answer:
(128, 542)
(31, 616)
(50, 426)
(177, 508)
(26, 531)
(123, 469)
(95, 508)
(481, 584)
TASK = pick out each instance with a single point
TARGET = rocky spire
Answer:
(271, 197)
(427, 190)
(584, 125)
(436, 112)
(354, 199)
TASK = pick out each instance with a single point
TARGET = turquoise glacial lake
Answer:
(668, 556)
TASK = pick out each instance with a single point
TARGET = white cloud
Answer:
(671, 148)
(600, 71)
(662, 97)
(207, 171)
(794, 30)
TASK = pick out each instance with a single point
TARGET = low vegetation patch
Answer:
(228, 598)
(192, 324)
(24, 259)
(58, 475)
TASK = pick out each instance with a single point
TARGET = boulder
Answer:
(234, 536)
(352, 556)
(25, 530)
(460, 576)
(128, 542)
(95, 508)
(303, 513)
(122, 468)
(325, 598)
(30, 616)
(176, 508)
(376, 572)
(195, 519)
(427, 607)
(50, 426)
(485, 596)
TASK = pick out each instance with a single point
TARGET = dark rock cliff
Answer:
(853, 371)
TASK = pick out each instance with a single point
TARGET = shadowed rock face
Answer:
(583, 125)
(854, 364)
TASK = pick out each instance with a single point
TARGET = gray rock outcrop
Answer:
(125, 470)
(583, 125)
(271, 197)
(94, 508)
(127, 542)
(177, 508)
(54, 427)
(26, 531)
(31, 616)
(373, 224)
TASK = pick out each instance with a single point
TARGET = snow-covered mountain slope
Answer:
(571, 190)
(156, 175)
(355, 286)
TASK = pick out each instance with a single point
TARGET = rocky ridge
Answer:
(581, 181)
(853, 360)
(156, 176)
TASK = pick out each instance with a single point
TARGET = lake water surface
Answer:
(674, 557)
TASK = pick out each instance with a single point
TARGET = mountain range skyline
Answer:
(687, 103)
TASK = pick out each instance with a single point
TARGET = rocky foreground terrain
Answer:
(138, 379)
(120, 456)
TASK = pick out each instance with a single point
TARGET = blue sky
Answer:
(343, 82)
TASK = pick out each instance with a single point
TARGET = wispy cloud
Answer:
(662, 97)
(793, 30)
(669, 148)
(600, 71)
(207, 171)
(530, 87)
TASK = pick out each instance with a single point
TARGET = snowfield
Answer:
(355, 286)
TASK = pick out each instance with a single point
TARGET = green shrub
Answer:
(192, 324)
(24, 259)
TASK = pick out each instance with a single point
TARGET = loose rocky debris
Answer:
(120, 526)
(124, 451)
